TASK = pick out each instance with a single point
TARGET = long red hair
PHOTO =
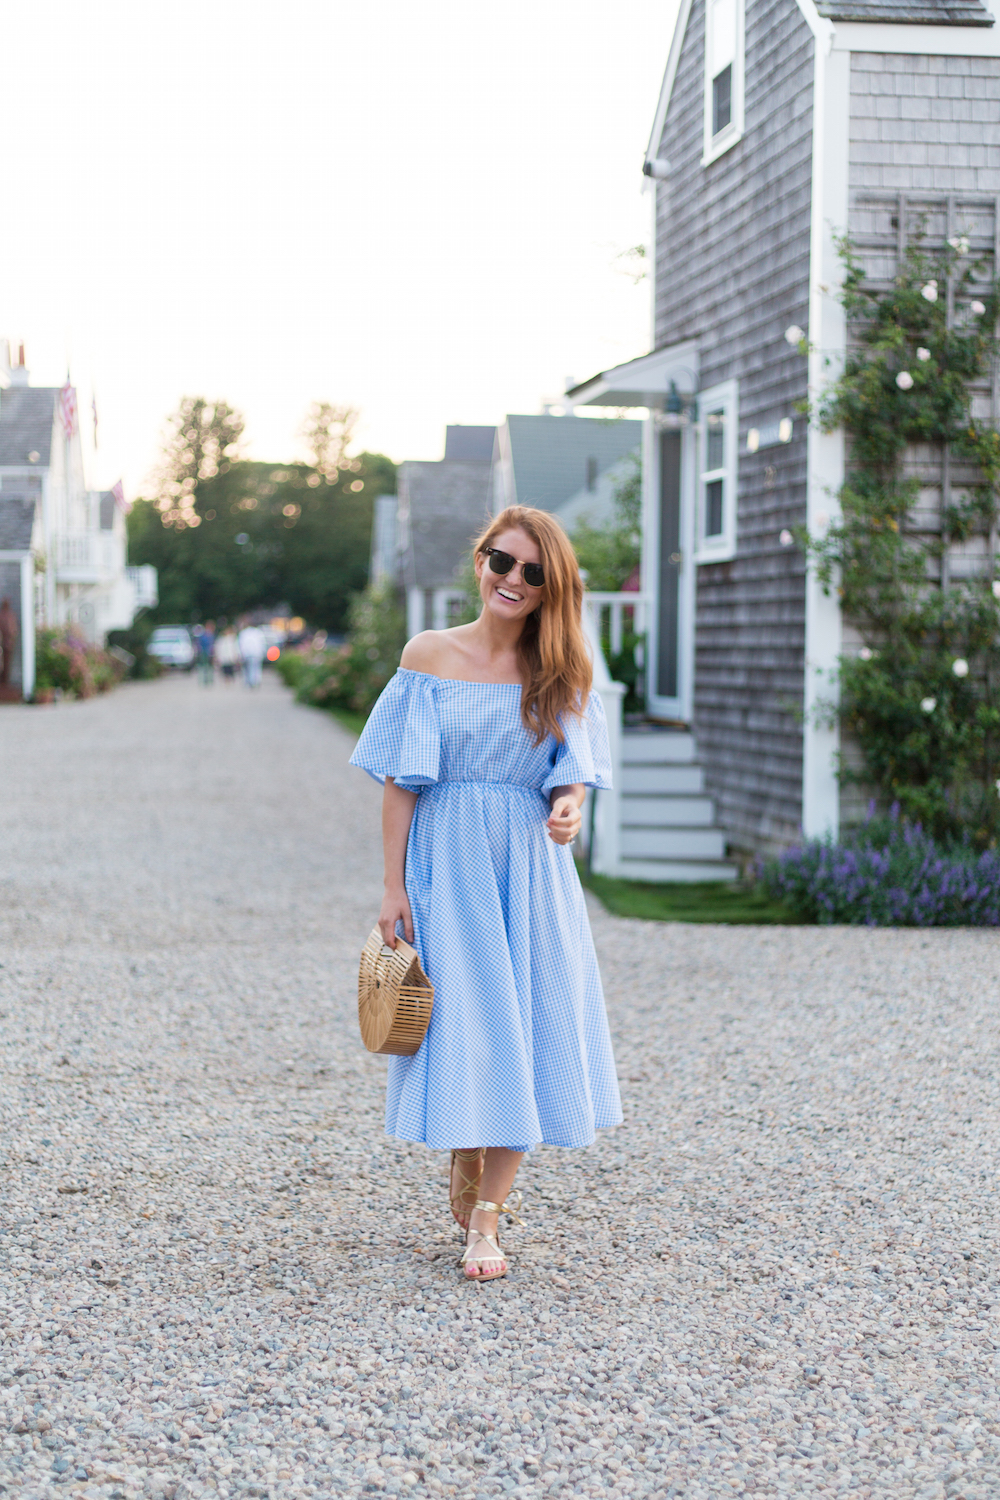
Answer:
(552, 653)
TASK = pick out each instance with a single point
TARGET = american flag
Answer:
(68, 411)
(118, 491)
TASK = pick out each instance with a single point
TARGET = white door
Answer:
(668, 535)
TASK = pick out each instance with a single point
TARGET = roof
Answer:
(474, 444)
(26, 413)
(553, 458)
(17, 517)
(908, 12)
(444, 504)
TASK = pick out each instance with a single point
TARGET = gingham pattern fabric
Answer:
(518, 1050)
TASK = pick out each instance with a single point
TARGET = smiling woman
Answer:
(486, 740)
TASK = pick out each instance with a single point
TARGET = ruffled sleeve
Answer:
(584, 757)
(402, 738)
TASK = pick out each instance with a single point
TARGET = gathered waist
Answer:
(513, 788)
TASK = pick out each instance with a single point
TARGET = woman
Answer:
(486, 739)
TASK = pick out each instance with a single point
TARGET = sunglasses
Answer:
(502, 562)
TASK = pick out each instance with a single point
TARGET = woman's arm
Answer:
(564, 823)
(397, 815)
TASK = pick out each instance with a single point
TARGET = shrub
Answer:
(921, 699)
(888, 873)
(352, 676)
(73, 666)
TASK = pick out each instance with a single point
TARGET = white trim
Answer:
(644, 381)
(937, 41)
(667, 86)
(821, 28)
(27, 626)
(717, 145)
(720, 547)
(827, 338)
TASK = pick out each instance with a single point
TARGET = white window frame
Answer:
(722, 546)
(717, 145)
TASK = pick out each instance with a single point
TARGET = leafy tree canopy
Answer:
(229, 535)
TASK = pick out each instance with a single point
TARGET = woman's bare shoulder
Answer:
(431, 651)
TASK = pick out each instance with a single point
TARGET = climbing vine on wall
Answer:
(921, 699)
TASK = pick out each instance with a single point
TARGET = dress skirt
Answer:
(518, 1050)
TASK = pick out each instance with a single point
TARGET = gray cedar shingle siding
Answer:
(909, 13)
(925, 123)
(17, 517)
(447, 503)
(26, 414)
(733, 271)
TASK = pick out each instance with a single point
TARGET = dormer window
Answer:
(723, 76)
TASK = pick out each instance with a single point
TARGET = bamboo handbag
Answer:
(395, 997)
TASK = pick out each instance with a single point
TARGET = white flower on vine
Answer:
(960, 667)
(904, 380)
(997, 785)
(928, 705)
(785, 538)
(794, 335)
(996, 588)
(923, 355)
(929, 291)
(960, 242)
(978, 308)
(866, 653)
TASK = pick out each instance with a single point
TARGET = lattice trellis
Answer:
(882, 225)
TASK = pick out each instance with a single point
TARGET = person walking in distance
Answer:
(253, 648)
(227, 653)
(486, 739)
(206, 651)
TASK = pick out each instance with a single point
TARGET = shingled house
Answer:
(779, 126)
(65, 544)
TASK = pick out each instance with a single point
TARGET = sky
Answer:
(415, 210)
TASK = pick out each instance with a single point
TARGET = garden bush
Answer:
(67, 664)
(888, 873)
(351, 676)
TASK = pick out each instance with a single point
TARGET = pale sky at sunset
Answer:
(415, 209)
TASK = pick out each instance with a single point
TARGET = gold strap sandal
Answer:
(492, 1242)
(462, 1203)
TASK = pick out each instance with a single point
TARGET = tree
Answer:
(328, 431)
(202, 442)
(229, 535)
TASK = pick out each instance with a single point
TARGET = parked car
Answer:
(173, 646)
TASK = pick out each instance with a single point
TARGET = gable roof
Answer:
(26, 413)
(908, 12)
(442, 505)
(551, 456)
(17, 517)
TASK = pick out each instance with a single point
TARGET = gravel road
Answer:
(217, 1276)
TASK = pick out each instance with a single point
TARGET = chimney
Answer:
(19, 373)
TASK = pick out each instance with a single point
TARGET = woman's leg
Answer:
(497, 1181)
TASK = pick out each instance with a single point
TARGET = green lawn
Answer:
(701, 901)
(353, 721)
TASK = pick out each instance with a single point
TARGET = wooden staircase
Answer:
(667, 829)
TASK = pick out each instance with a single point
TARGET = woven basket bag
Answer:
(394, 997)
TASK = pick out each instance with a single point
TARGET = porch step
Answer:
(672, 843)
(663, 780)
(666, 812)
(657, 871)
(657, 747)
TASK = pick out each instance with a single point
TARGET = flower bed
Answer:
(888, 873)
(66, 664)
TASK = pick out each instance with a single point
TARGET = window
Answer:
(717, 473)
(723, 76)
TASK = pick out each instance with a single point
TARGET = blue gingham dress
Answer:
(518, 1050)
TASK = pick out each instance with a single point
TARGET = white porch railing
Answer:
(614, 612)
(601, 813)
(88, 556)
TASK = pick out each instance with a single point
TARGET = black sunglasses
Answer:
(502, 562)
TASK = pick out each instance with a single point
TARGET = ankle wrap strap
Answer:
(502, 1208)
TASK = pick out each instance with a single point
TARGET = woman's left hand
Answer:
(564, 822)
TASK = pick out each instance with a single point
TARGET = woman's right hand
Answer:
(395, 908)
